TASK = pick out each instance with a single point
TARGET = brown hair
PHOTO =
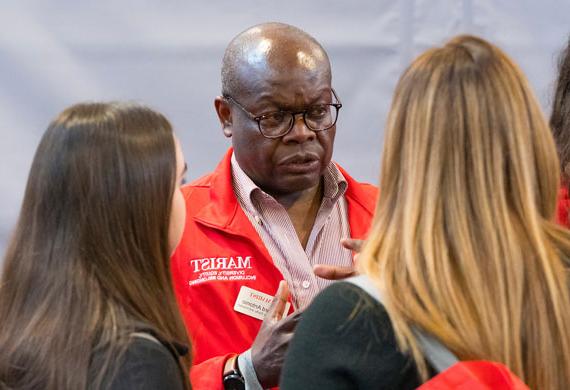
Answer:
(89, 257)
(462, 243)
(560, 117)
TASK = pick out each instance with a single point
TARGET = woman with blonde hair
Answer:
(462, 246)
(86, 300)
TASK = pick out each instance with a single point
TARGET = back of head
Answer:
(462, 241)
(90, 255)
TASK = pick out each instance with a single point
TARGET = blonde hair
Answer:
(462, 243)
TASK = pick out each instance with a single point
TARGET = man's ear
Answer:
(224, 115)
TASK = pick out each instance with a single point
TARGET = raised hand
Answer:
(332, 272)
(272, 340)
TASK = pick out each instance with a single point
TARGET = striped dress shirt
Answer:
(277, 232)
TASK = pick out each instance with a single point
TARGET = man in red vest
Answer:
(273, 209)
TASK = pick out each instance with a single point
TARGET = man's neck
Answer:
(302, 208)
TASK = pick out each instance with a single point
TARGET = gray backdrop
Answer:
(167, 54)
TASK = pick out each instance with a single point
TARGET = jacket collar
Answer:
(361, 203)
(223, 210)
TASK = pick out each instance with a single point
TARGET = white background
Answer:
(167, 54)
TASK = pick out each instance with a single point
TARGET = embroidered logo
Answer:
(221, 269)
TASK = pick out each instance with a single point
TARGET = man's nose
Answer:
(300, 132)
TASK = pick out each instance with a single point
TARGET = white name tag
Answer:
(255, 303)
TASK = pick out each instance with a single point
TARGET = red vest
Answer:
(219, 253)
(563, 206)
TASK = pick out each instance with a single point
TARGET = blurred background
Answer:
(167, 54)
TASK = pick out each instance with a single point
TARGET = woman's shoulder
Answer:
(350, 300)
(147, 364)
(346, 335)
(345, 310)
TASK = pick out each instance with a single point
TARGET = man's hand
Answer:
(270, 344)
(332, 272)
(353, 244)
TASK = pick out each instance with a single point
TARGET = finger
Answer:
(355, 261)
(353, 244)
(279, 303)
(332, 272)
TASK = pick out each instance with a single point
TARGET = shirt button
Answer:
(258, 220)
(306, 284)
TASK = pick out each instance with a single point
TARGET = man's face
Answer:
(296, 161)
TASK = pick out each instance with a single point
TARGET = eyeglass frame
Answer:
(258, 118)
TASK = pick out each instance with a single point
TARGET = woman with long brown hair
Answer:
(463, 246)
(86, 299)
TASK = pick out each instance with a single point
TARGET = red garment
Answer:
(475, 375)
(563, 206)
(219, 237)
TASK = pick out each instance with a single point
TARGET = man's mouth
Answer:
(301, 163)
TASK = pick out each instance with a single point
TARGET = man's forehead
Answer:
(273, 53)
(273, 82)
(273, 64)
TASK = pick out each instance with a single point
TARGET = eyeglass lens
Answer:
(317, 118)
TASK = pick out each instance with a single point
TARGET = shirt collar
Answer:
(244, 187)
(335, 183)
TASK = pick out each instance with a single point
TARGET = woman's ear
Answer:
(224, 115)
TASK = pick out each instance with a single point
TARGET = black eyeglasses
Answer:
(276, 124)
